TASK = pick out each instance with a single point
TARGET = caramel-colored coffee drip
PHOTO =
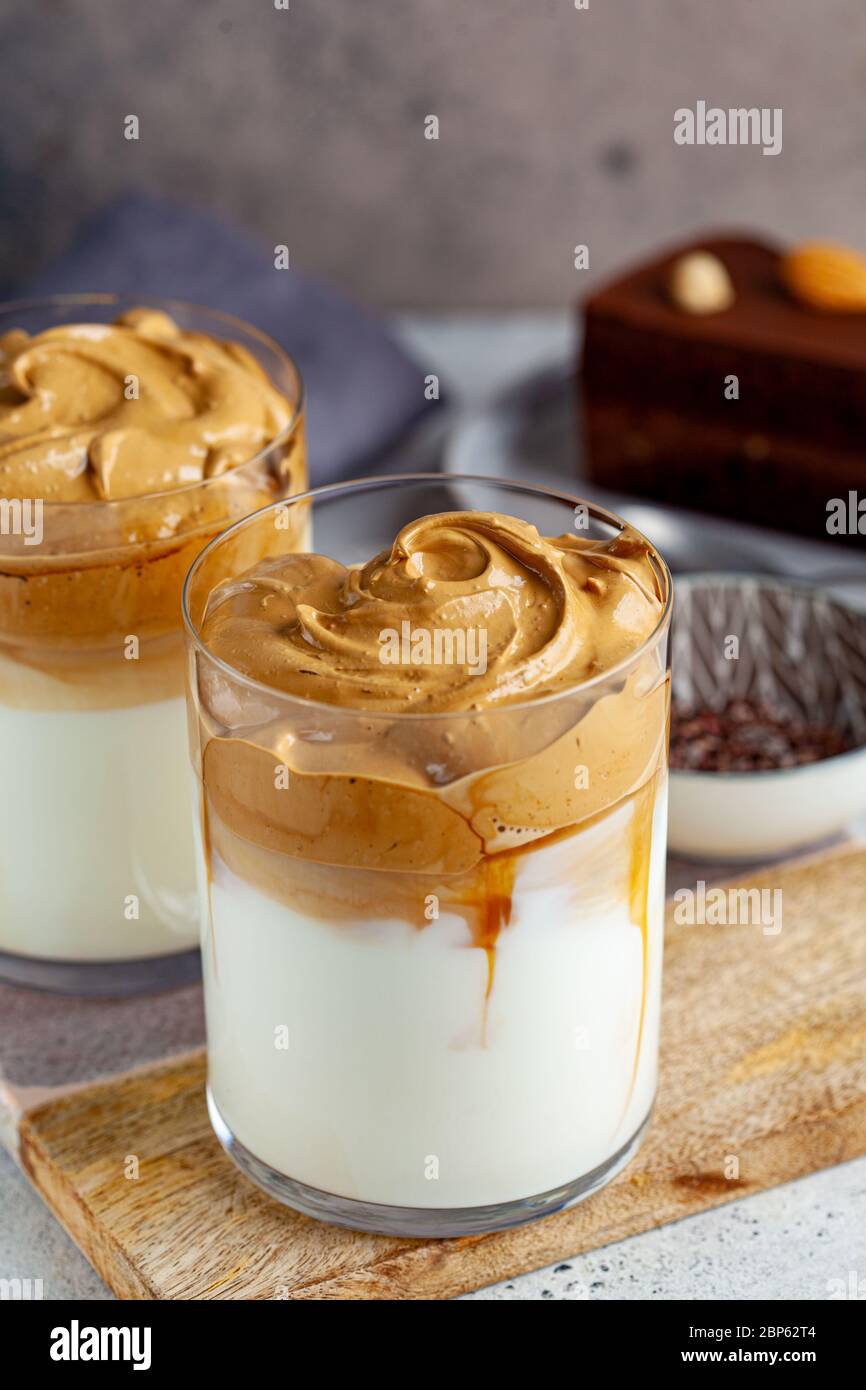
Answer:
(638, 895)
(499, 874)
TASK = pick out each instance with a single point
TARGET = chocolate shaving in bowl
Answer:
(747, 736)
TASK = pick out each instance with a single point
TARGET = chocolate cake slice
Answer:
(665, 419)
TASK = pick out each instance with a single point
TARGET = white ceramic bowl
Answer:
(800, 648)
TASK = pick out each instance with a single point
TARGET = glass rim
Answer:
(83, 298)
(397, 479)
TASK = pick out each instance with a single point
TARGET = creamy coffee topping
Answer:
(466, 611)
(165, 433)
(92, 411)
(375, 791)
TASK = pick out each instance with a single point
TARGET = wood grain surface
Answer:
(763, 1080)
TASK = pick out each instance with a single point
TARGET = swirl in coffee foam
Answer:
(92, 411)
(169, 436)
(552, 614)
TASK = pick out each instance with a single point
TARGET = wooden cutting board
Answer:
(763, 1080)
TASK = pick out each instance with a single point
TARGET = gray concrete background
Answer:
(556, 127)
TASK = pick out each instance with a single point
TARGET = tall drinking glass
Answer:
(97, 877)
(432, 942)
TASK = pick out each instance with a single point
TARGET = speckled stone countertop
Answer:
(799, 1241)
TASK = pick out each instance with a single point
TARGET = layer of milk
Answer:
(96, 847)
(366, 1060)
